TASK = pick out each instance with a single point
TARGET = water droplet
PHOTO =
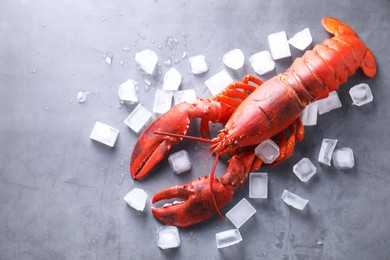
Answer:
(104, 19)
(33, 71)
(121, 179)
(47, 108)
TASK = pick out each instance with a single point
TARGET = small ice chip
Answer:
(234, 59)
(198, 64)
(180, 162)
(258, 185)
(278, 45)
(343, 158)
(82, 96)
(147, 60)
(262, 62)
(267, 151)
(228, 238)
(127, 91)
(304, 169)
(187, 95)
(168, 237)
(162, 101)
(218, 82)
(240, 213)
(326, 151)
(293, 200)
(136, 199)
(361, 94)
(108, 58)
(104, 134)
(138, 118)
(301, 40)
(172, 79)
(329, 103)
(309, 114)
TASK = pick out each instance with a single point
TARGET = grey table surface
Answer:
(61, 193)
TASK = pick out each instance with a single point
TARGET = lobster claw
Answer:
(196, 205)
(151, 148)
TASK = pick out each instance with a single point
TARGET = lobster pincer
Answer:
(194, 204)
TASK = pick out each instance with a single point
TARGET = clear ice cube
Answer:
(278, 45)
(218, 82)
(293, 200)
(361, 94)
(128, 91)
(138, 118)
(228, 238)
(162, 101)
(301, 40)
(147, 60)
(267, 151)
(343, 158)
(310, 114)
(180, 162)
(304, 169)
(262, 62)
(326, 151)
(329, 103)
(172, 79)
(168, 237)
(234, 59)
(136, 199)
(240, 213)
(258, 185)
(187, 95)
(104, 134)
(198, 64)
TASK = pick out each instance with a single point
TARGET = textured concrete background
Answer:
(60, 192)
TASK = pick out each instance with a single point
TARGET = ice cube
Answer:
(361, 94)
(180, 162)
(198, 64)
(218, 82)
(147, 60)
(278, 45)
(136, 199)
(304, 169)
(328, 104)
(293, 200)
(343, 158)
(301, 40)
(234, 59)
(82, 96)
(326, 151)
(172, 79)
(138, 118)
(187, 95)
(240, 213)
(104, 134)
(267, 151)
(127, 91)
(309, 114)
(262, 62)
(228, 238)
(258, 185)
(162, 101)
(168, 237)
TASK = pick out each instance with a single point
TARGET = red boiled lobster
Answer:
(250, 115)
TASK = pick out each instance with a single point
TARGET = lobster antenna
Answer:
(204, 140)
(211, 185)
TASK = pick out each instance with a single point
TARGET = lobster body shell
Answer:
(279, 101)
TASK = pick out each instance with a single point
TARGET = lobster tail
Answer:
(337, 28)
